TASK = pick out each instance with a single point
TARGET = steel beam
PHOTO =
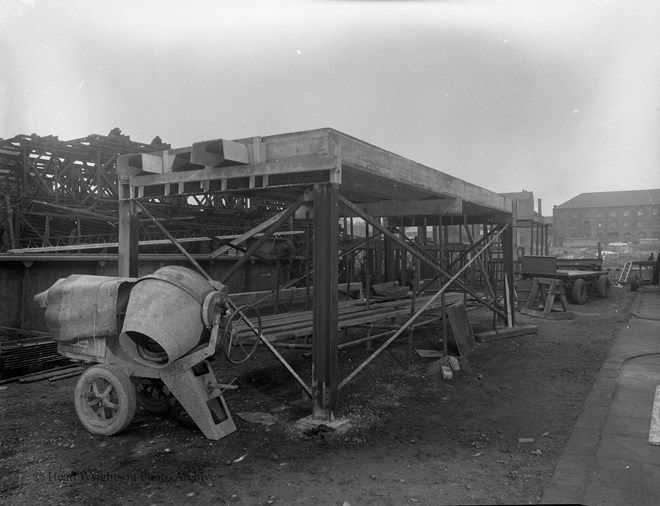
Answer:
(417, 252)
(282, 217)
(326, 301)
(416, 315)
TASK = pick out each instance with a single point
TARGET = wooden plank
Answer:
(461, 328)
(555, 315)
(430, 353)
(654, 432)
(351, 313)
(494, 335)
(295, 320)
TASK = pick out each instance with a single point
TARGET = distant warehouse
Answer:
(608, 217)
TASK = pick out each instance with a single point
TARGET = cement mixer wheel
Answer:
(105, 399)
(239, 341)
(154, 396)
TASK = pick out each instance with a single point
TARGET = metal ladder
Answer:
(627, 267)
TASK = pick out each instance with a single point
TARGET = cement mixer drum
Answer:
(166, 316)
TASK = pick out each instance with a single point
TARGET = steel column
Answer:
(326, 300)
(128, 239)
(388, 252)
(507, 258)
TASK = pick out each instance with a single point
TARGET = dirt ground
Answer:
(414, 437)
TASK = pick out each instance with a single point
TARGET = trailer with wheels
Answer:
(151, 340)
(577, 282)
(640, 272)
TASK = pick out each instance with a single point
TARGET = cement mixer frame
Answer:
(107, 393)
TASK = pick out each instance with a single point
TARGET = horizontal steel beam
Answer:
(397, 208)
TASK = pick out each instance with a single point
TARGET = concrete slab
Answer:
(626, 426)
(592, 418)
(583, 441)
(561, 494)
(600, 396)
(611, 496)
(614, 446)
(608, 458)
(650, 482)
(650, 500)
(637, 406)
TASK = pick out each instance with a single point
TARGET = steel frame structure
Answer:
(321, 176)
(58, 194)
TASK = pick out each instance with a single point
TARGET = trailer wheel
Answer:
(579, 291)
(634, 282)
(603, 286)
(105, 399)
(154, 396)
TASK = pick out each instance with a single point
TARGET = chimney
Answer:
(540, 212)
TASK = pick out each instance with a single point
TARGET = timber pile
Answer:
(28, 355)
(351, 313)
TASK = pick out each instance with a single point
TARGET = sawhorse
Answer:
(542, 295)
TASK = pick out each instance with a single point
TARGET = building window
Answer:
(626, 224)
(600, 213)
(640, 212)
(613, 213)
(627, 212)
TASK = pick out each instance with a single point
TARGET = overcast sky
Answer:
(557, 97)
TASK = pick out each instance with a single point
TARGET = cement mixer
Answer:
(151, 339)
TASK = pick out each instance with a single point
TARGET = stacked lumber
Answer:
(21, 356)
(351, 313)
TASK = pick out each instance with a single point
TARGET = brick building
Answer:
(620, 216)
(531, 228)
